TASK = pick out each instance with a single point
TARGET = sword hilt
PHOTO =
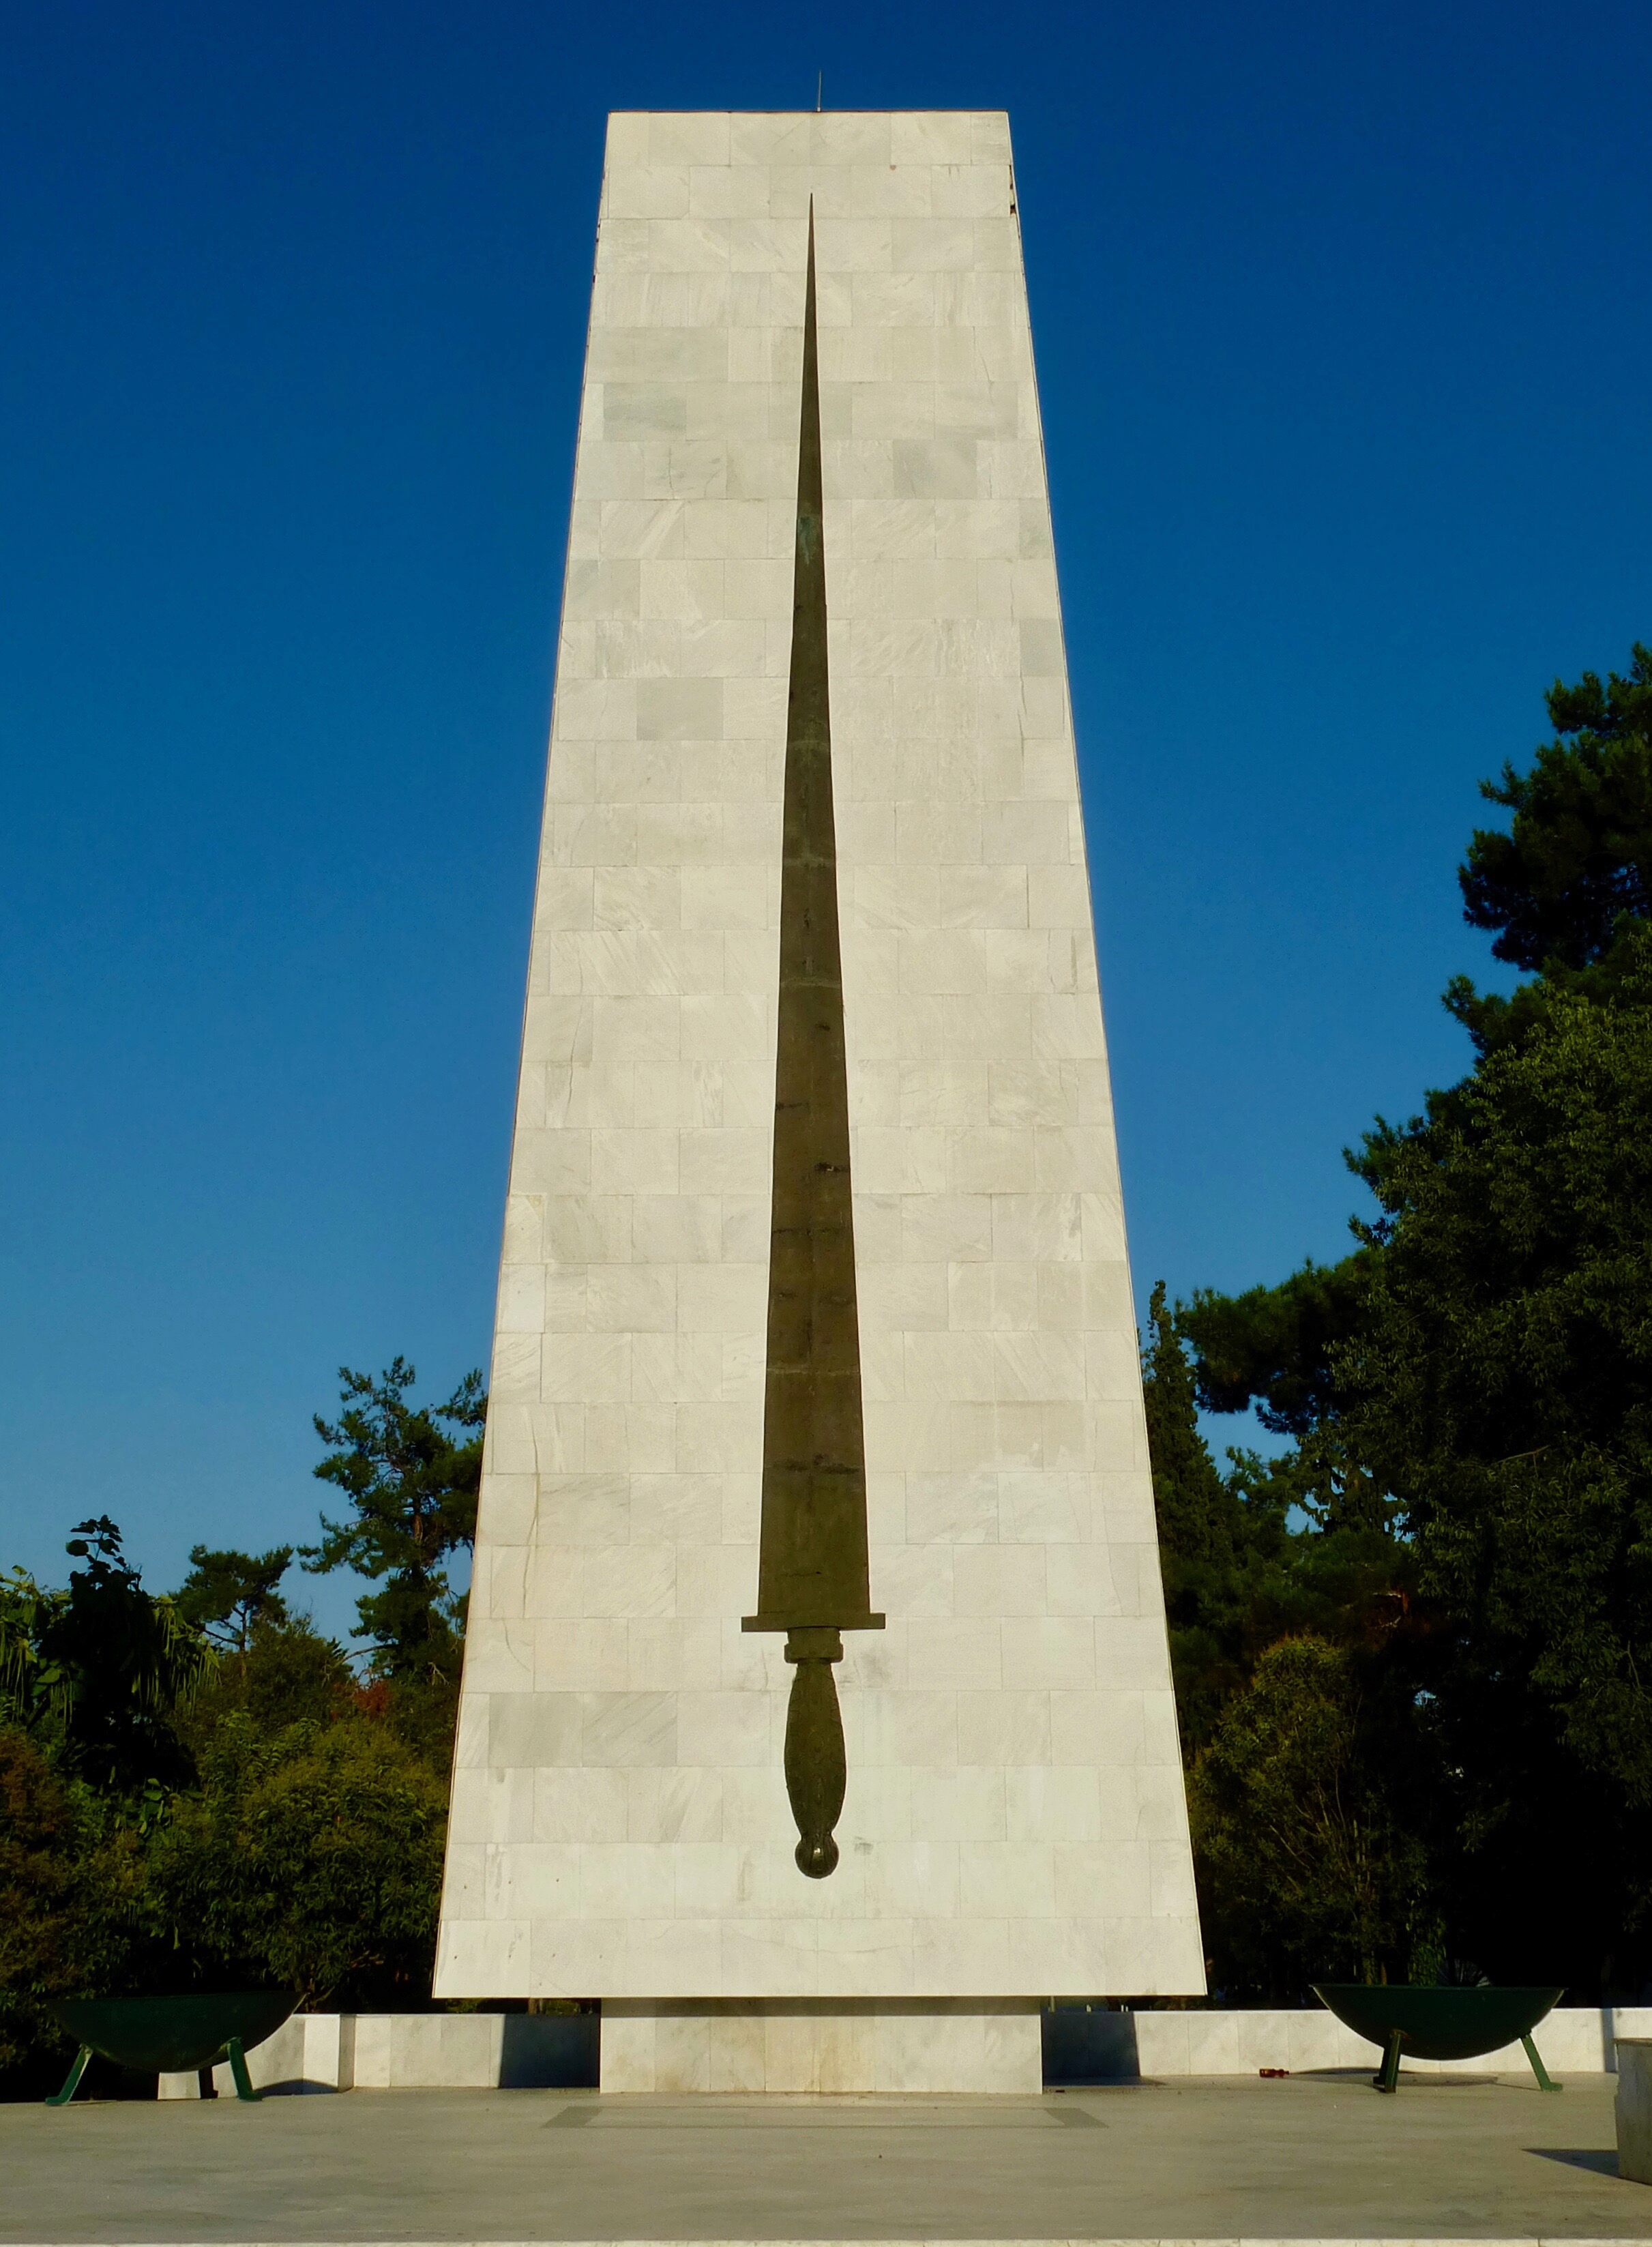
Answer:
(816, 1769)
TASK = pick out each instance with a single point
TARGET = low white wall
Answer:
(1573, 2040)
(409, 2052)
(405, 2052)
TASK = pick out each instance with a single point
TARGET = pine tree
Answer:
(410, 1474)
(1195, 1508)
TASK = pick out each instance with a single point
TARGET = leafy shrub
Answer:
(311, 1860)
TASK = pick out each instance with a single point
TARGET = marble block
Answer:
(1014, 1824)
(823, 2045)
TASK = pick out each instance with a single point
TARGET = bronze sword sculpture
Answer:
(812, 1579)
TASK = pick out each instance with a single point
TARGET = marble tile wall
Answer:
(821, 2046)
(1015, 1821)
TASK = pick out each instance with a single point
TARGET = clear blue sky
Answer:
(1345, 337)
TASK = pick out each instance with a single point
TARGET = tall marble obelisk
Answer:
(817, 1713)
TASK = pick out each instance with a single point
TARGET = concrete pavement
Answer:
(1311, 2158)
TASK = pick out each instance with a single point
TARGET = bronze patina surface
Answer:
(812, 1572)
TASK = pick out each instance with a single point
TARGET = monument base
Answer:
(821, 2044)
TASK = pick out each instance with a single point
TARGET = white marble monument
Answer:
(812, 845)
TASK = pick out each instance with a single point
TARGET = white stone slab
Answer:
(1572, 2041)
(405, 2052)
(1015, 1822)
(821, 2046)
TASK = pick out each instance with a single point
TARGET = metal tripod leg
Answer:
(1544, 2083)
(1389, 2079)
(71, 2081)
(237, 2059)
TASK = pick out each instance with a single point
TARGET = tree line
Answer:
(1413, 1649)
(1411, 1645)
(198, 1789)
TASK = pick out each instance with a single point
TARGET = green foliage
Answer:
(289, 1674)
(1578, 854)
(39, 1894)
(96, 1669)
(1503, 1387)
(228, 1595)
(71, 1880)
(1200, 1534)
(1267, 1552)
(422, 1712)
(1275, 1347)
(1198, 1515)
(1470, 1396)
(1504, 1377)
(411, 1475)
(312, 1859)
(306, 1851)
(1306, 1869)
(199, 1792)
(1280, 1349)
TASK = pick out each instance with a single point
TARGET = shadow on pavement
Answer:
(1602, 2160)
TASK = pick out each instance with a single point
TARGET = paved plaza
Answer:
(1310, 2157)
